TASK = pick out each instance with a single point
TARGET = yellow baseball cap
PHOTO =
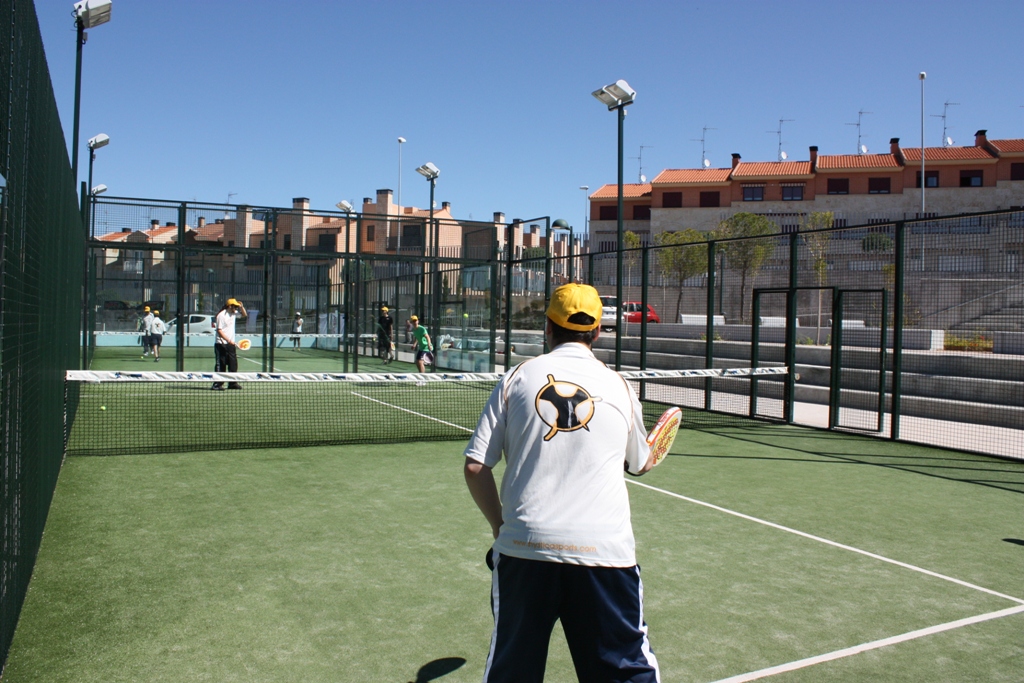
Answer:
(570, 299)
(233, 302)
(413, 318)
(146, 309)
(156, 312)
(384, 308)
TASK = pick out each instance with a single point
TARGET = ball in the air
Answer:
(465, 315)
(103, 407)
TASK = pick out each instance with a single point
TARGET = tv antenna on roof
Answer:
(227, 213)
(703, 134)
(861, 149)
(640, 173)
(779, 133)
(946, 140)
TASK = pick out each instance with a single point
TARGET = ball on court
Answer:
(103, 407)
(465, 315)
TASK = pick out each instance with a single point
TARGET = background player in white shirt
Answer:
(156, 334)
(564, 547)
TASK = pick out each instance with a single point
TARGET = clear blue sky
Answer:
(274, 100)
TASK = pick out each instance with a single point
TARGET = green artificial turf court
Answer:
(761, 546)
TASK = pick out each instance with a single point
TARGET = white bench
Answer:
(775, 321)
(849, 324)
(700, 319)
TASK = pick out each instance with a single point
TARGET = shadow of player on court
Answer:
(431, 671)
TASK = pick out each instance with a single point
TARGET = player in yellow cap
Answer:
(224, 345)
(421, 344)
(564, 547)
(385, 331)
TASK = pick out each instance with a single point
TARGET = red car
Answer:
(631, 313)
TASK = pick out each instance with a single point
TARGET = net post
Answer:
(755, 343)
(644, 281)
(709, 323)
(882, 351)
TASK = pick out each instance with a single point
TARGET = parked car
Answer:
(116, 306)
(632, 312)
(197, 324)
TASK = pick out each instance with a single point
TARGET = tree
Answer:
(876, 242)
(817, 244)
(533, 258)
(747, 253)
(680, 263)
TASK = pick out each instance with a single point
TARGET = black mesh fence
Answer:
(41, 279)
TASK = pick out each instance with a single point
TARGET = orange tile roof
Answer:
(629, 191)
(211, 232)
(774, 169)
(1011, 146)
(114, 237)
(692, 176)
(857, 162)
(912, 154)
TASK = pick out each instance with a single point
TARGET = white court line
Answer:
(258, 362)
(412, 412)
(831, 543)
(874, 645)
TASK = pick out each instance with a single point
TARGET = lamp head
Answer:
(429, 171)
(401, 140)
(922, 75)
(344, 206)
(584, 187)
(616, 95)
(99, 189)
(101, 140)
(560, 223)
(92, 13)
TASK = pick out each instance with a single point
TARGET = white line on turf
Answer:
(874, 645)
(411, 412)
(831, 543)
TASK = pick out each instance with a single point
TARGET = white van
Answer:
(195, 323)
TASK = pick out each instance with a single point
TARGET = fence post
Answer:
(791, 322)
(492, 356)
(183, 313)
(897, 329)
(509, 237)
(709, 325)
(644, 281)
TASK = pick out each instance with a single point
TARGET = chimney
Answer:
(446, 206)
(155, 223)
(201, 222)
(735, 160)
(894, 149)
(171, 224)
(300, 203)
(126, 229)
(384, 202)
(980, 138)
(814, 157)
(499, 217)
(367, 200)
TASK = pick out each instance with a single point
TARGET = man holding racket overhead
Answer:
(224, 345)
(564, 547)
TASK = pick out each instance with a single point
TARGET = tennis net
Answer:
(118, 413)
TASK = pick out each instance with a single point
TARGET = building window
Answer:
(371, 232)
(327, 242)
(709, 199)
(1016, 171)
(674, 200)
(839, 186)
(642, 212)
(606, 246)
(879, 185)
(608, 213)
(412, 236)
(971, 178)
(793, 193)
(931, 179)
(287, 241)
(753, 194)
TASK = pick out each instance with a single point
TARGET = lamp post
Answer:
(618, 96)
(586, 209)
(561, 224)
(398, 246)
(88, 14)
(431, 172)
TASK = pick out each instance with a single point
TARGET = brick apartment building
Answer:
(857, 188)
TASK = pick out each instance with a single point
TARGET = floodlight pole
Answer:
(78, 99)
(621, 244)
(922, 76)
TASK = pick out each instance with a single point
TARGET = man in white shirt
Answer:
(564, 547)
(147, 331)
(156, 337)
(224, 344)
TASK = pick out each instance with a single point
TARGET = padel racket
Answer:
(663, 434)
(245, 344)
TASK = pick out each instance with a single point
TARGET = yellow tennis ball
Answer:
(465, 315)
(103, 407)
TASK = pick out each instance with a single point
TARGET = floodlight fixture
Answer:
(401, 139)
(616, 95)
(560, 223)
(92, 13)
(345, 206)
(429, 171)
(101, 140)
(99, 189)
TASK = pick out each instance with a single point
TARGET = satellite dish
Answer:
(783, 156)
(949, 142)
(643, 178)
(863, 149)
(707, 163)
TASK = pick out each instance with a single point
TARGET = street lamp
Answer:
(561, 224)
(88, 14)
(618, 96)
(586, 209)
(347, 208)
(431, 172)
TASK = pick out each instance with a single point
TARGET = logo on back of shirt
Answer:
(564, 406)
